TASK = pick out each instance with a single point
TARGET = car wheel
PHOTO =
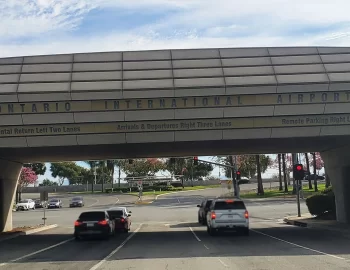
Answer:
(204, 221)
(211, 231)
(126, 230)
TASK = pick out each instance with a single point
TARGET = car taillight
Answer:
(246, 214)
(122, 220)
(213, 215)
(103, 222)
(78, 223)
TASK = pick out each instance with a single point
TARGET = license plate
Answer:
(90, 225)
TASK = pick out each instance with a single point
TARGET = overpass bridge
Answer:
(175, 103)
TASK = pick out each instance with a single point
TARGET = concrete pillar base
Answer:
(9, 174)
(337, 166)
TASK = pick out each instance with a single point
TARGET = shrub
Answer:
(328, 191)
(321, 204)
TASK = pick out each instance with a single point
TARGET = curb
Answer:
(29, 232)
(295, 223)
(182, 191)
(137, 202)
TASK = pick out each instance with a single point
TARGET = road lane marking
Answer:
(195, 235)
(224, 264)
(300, 246)
(178, 199)
(182, 192)
(205, 246)
(36, 252)
(97, 201)
(117, 200)
(96, 266)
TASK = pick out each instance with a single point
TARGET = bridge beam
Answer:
(337, 166)
(9, 174)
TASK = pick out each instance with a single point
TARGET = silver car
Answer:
(76, 202)
(227, 214)
(54, 203)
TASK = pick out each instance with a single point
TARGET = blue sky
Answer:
(34, 27)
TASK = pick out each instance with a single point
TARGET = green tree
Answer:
(67, 170)
(185, 167)
(143, 167)
(38, 168)
(48, 182)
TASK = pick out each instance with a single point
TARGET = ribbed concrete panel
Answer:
(97, 66)
(63, 58)
(292, 51)
(339, 86)
(242, 62)
(246, 90)
(148, 93)
(11, 60)
(98, 57)
(197, 82)
(207, 135)
(320, 87)
(10, 78)
(195, 54)
(254, 133)
(243, 52)
(295, 132)
(52, 140)
(327, 50)
(147, 74)
(251, 80)
(318, 68)
(334, 58)
(47, 68)
(149, 115)
(8, 88)
(337, 108)
(90, 117)
(144, 65)
(47, 118)
(8, 98)
(13, 142)
(92, 95)
(101, 139)
(299, 109)
(199, 113)
(102, 85)
(43, 87)
(146, 55)
(246, 71)
(249, 111)
(211, 91)
(31, 97)
(150, 137)
(97, 76)
(341, 67)
(302, 78)
(143, 84)
(48, 77)
(339, 77)
(199, 72)
(335, 130)
(9, 120)
(10, 69)
(205, 63)
(290, 60)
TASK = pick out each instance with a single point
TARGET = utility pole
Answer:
(233, 174)
(93, 182)
(296, 183)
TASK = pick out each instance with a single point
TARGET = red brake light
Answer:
(229, 201)
(103, 222)
(246, 214)
(122, 220)
(77, 223)
(213, 215)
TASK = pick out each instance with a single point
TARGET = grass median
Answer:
(275, 192)
(148, 193)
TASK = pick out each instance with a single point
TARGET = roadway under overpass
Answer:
(175, 103)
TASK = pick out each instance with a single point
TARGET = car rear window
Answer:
(115, 213)
(225, 205)
(92, 216)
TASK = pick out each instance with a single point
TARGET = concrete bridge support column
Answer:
(9, 174)
(337, 165)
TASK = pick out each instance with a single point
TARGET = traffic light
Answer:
(298, 172)
(131, 161)
(195, 160)
(238, 175)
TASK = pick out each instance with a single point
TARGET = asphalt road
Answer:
(165, 235)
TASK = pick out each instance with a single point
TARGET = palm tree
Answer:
(284, 173)
(258, 170)
(280, 171)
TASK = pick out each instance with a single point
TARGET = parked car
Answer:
(227, 214)
(93, 224)
(54, 203)
(39, 204)
(77, 202)
(203, 210)
(25, 205)
(312, 177)
(121, 217)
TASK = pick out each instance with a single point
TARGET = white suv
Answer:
(227, 214)
(25, 205)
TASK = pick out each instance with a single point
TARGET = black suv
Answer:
(203, 210)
